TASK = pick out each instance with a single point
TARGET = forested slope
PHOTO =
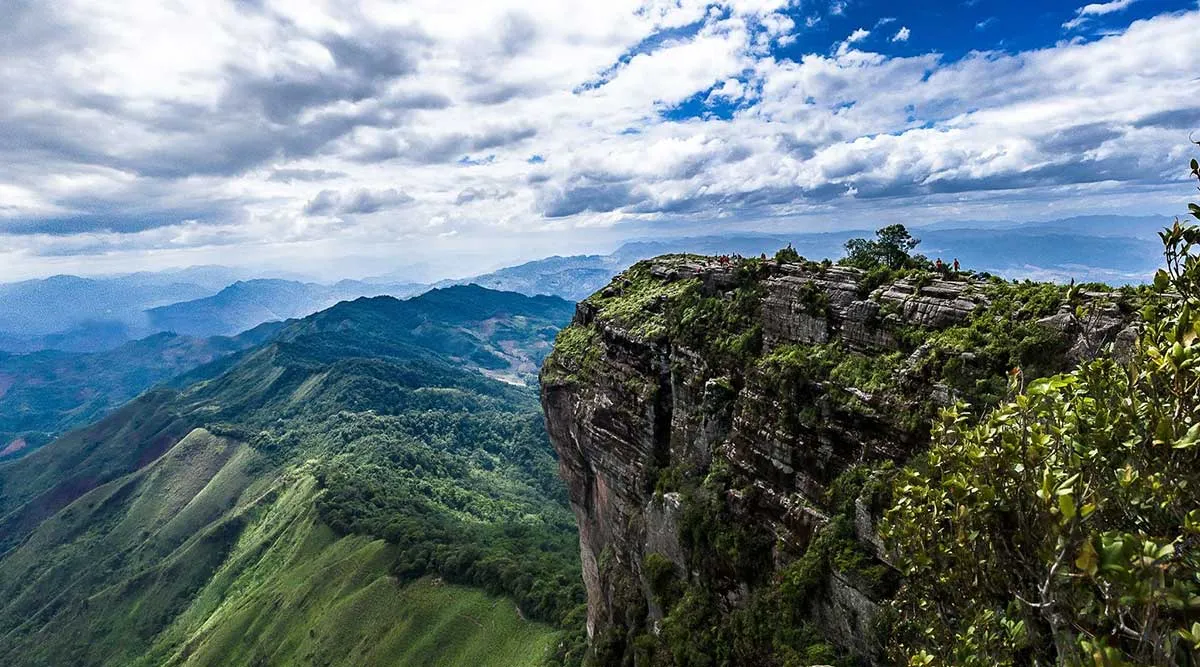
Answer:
(313, 501)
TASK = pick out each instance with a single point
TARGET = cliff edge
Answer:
(720, 424)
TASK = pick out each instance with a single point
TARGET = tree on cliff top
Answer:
(891, 248)
(1064, 529)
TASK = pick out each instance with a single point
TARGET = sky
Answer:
(348, 139)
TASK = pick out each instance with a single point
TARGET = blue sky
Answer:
(952, 29)
(349, 139)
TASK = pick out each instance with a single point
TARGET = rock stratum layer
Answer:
(708, 413)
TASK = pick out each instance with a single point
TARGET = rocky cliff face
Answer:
(775, 379)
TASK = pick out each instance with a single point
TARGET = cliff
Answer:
(720, 425)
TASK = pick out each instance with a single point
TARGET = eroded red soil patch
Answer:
(14, 446)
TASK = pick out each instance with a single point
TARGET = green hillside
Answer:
(45, 394)
(322, 499)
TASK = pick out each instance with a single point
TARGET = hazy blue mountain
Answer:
(1112, 249)
(90, 336)
(33, 308)
(1146, 226)
(46, 393)
(572, 277)
(248, 303)
(78, 314)
(210, 276)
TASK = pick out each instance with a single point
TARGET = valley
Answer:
(352, 467)
(636, 333)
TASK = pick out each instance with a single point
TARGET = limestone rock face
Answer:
(649, 403)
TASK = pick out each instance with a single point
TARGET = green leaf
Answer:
(1066, 505)
(1088, 560)
(1189, 439)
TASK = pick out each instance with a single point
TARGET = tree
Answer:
(787, 255)
(1065, 527)
(891, 248)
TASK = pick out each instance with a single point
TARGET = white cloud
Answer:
(858, 35)
(389, 133)
(902, 34)
(1096, 9)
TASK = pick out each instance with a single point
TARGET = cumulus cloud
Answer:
(290, 175)
(857, 36)
(1084, 13)
(175, 128)
(357, 202)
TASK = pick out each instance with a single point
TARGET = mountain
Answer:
(1112, 249)
(1125, 226)
(44, 394)
(729, 430)
(34, 308)
(572, 277)
(354, 490)
(248, 303)
(76, 314)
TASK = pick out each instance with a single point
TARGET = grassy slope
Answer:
(207, 558)
(293, 593)
(147, 539)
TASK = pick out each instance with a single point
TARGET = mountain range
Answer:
(44, 394)
(96, 314)
(248, 303)
(353, 490)
(1113, 249)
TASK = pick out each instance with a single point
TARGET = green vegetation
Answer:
(576, 355)
(304, 503)
(726, 331)
(636, 301)
(773, 626)
(890, 249)
(788, 255)
(295, 593)
(1061, 528)
(731, 602)
(975, 358)
(45, 394)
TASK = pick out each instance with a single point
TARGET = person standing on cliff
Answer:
(956, 266)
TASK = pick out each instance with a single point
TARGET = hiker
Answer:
(940, 266)
(955, 266)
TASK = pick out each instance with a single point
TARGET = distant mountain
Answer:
(353, 491)
(44, 394)
(211, 277)
(247, 303)
(77, 314)
(33, 308)
(504, 335)
(90, 336)
(574, 277)
(1112, 249)
(1143, 227)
